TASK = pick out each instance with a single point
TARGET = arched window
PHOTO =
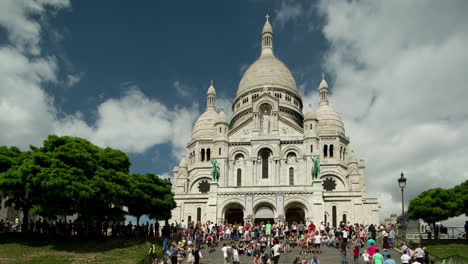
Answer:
(344, 153)
(198, 214)
(345, 220)
(334, 216)
(202, 154)
(220, 130)
(219, 150)
(311, 126)
(325, 219)
(331, 151)
(239, 177)
(291, 176)
(325, 151)
(265, 155)
(341, 152)
(311, 148)
(208, 154)
(189, 219)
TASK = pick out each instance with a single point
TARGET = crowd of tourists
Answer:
(79, 228)
(266, 242)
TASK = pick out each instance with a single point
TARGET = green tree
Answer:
(461, 193)
(150, 195)
(433, 205)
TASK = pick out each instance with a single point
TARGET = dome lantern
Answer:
(267, 38)
(323, 91)
(211, 97)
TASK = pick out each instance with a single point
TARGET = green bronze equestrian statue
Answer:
(215, 170)
(315, 168)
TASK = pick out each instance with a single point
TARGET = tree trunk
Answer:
(25, 226)
(138, 220)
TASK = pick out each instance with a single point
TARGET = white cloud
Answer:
(132, 123)
(288, 11)
(182, 89)
(73, 79)
(400, 70)
(225, 104)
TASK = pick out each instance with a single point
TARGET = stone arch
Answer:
(238, 150)
(265, 101)
(295, 211)
(259, 148)
(340, 182)
(264, 211)
(294, 149)
(195, 181)
(233, 212)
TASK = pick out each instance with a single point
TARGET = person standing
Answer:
(389, 260)
(275, 251)
(391, 238)
(377, 257)
(405, 258)
(173, 253)
(343, 250)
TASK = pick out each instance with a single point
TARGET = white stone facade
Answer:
(265, 153)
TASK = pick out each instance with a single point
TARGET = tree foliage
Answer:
(70, 175)
(151, 196)
(436, 205)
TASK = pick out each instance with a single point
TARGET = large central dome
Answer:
(267, 70)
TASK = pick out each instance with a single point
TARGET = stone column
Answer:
(317, 201)
(212, 205)
(248, 210)
(280, 216)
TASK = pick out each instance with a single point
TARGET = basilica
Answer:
(265, 153)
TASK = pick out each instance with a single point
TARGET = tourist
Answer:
(318, 241)
(385, 254)
(372, 249)
(418, 253)
(366, 257)
(152, 252)
(235, 255)
(343, 250)
(391, 238)
(315, 260)
(275, 251)
(257, 259)
(296, 261)
(385, 239)
(197, 255)
(173, 253)
(377, 257)
(405, 258)
(180, 253)
(227, 253)
(190, 255)
(389, 260)
(426, 256)
(356, 254)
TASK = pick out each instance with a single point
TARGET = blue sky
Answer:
(133, 76)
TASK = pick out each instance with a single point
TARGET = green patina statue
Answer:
(315, 168)
(215, 170)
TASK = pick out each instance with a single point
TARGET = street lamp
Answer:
(402, 184)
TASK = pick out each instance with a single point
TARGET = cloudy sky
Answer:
(134, 76)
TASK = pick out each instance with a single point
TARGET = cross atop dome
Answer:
(267, 16)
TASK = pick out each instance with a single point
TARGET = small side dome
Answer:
(222, 118)
(351, 158)
(310, 115)
(183, 163)
(329, 120)
(204, 126)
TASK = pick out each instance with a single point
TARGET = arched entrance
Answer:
(234, 214)
(264, 213)
(295, 213)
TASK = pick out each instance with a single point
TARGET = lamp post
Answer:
(402, 184)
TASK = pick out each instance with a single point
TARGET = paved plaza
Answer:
(328, 255)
